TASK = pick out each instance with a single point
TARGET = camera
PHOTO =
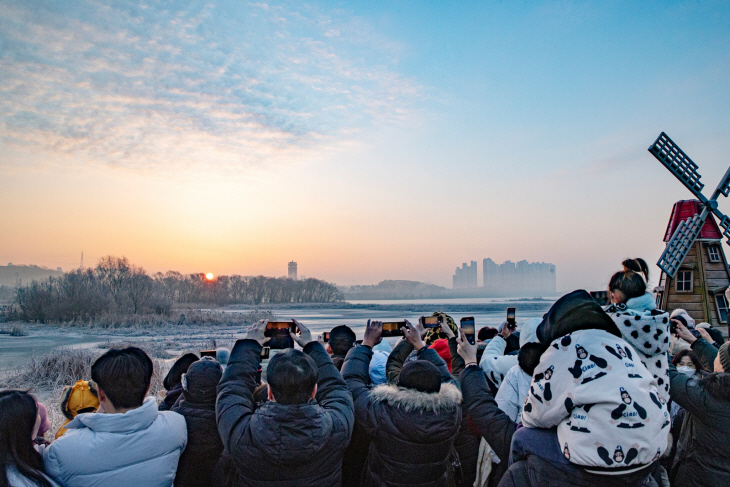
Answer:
(207, 353)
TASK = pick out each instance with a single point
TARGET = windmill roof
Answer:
(685, 209)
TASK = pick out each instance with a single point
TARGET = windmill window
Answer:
(714, 252)
(722, 307)
(684, 281)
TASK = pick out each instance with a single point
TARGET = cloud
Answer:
(225, 84)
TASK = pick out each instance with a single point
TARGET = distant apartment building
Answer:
(293, 270)
(465, 276)
(519, 279)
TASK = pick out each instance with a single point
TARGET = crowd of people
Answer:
(620, 395)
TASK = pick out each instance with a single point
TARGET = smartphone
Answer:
(469, 329)
(511, 318)
(278, 332)
(393, 328)
(265, 352)
(207, 353)
(359, 342)
(431, 321)
(326, 336)
(601, 297)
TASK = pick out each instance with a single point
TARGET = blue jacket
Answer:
(138, 448)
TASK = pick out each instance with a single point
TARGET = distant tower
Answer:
(82, 261)
(293, 270)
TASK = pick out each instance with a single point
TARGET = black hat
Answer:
(420, 375)
(177, 370)
(201, 380)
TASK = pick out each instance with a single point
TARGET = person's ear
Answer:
(270, 395)
(314, 392)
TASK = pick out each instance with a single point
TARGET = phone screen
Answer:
(393, 328)
(430, 321)
(265, 352)
(207, 353)
(467, 325)
(278, 332)
(326, 336)
(511, 317)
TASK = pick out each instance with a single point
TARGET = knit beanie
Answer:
(420, 375)
(442, 348)
(200, 382)
(725, 356)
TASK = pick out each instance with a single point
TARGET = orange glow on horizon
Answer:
(209, 276)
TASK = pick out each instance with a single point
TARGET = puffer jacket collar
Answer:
(130, 422)
(573, 312)
(448, 398)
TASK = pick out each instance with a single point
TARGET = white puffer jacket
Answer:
(138, 448)
(495, 363)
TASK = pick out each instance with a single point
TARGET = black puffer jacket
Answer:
(412, 432)
(204, 448)
(702, 450)
(280, 445)
(493, 424)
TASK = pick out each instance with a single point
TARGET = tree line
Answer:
(117, 286)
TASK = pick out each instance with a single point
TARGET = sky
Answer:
(365, 140)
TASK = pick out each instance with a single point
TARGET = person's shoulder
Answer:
(172, 418)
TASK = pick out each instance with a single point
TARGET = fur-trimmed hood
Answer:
(447, 399)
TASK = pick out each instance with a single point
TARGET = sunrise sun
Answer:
(209, 276)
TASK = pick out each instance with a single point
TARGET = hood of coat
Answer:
(642, 303)
(573, 312)
(528, 331)
(130, 422)
(410, 400)
(292, 433)
(647, 331)
(177, 370)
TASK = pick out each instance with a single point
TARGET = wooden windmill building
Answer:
(703, 276)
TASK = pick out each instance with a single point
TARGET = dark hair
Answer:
(260, 395)
(632, 280)
(342, 339)
(487, 333)
(18, 412)
(688, 353)
(292, 375)
(529, 356)
(124, 376)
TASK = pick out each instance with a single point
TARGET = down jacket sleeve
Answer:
(494, 362)
(706, 353)
(396, 360)
(234, 404)
(356, 374)
(493, 424)
(332, 393)
(457, 362)
(686, 392)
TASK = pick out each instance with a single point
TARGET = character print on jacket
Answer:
(566, 452)
(579, 417)
(590, 371)
(625, 356)
(626, 418)
(661, 404)
(544, 389)
(564, 343)
(618, 454)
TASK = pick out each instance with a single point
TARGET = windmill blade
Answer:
(724, 222)
(680, 243)
(678, 163)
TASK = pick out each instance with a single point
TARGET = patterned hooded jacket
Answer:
(609, 414)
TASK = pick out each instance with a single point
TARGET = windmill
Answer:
(695, 273)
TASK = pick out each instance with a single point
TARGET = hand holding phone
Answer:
(413, 335)
(258, 332)
(466, 350)
(373, 333)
